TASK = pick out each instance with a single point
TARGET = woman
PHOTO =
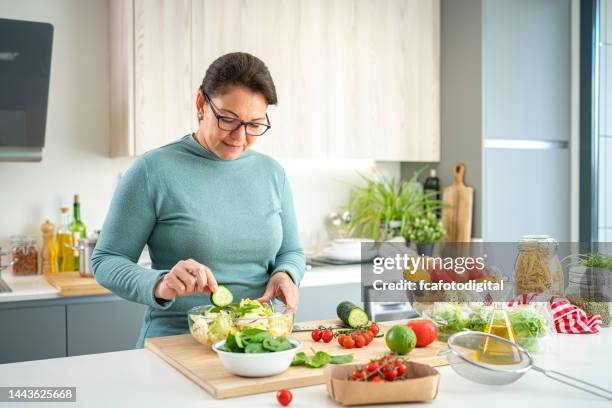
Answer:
(211, 210)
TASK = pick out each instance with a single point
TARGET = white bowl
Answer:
(257, 364)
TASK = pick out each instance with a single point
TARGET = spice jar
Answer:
(24, 255)
(589, 289)
(537, 268)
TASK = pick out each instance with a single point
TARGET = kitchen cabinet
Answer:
(349, 85)
(151, 102)
(40, 329)
(32, 333)
(101, 327)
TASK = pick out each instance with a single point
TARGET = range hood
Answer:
(25, 62)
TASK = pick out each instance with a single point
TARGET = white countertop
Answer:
(35, 287)
(139, 378)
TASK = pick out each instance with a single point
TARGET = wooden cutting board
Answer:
(73, 284)
(200, 364)
(457, 217)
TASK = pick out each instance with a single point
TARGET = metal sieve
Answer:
(493, 360)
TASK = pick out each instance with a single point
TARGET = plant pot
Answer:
(390, 229)
(425, 248)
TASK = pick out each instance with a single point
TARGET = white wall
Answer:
(75, 157)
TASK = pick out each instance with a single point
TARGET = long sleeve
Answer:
(290, 257)
(127, 227)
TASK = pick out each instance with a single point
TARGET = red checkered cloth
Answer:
(568, 318)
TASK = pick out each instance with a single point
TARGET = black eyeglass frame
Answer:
(218, 116)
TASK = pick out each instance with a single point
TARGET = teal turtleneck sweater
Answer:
(183, 201)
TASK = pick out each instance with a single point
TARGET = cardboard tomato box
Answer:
(422, 385)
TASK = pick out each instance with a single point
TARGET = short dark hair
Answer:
(239, 68)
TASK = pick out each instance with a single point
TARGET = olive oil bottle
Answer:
(493, 351)
(77, 227)
(64, 240)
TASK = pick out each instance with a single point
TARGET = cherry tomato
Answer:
(284, 397)
(327, 335)
(341, 339)
(426, 331)
(359, 341)
(386, 368)
(367, 336)
(376, 379)
(348, 342)
(371, 367)
(390, 375)
(401, 368)
(358, 374)
(316, 334)
(374, 329)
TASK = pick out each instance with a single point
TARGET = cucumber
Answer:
(352, 315)
(222, 296)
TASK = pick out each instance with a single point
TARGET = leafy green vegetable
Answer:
(343, 359)
(450, 318)
(320, 359)
(595, 260)
(528, 323)
(479, 319)
(299, 359)
(252, 340)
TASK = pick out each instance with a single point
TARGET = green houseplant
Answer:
(382, 207)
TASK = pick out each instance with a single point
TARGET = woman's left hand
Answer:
(281, 286)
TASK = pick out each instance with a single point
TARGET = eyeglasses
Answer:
(229, 123)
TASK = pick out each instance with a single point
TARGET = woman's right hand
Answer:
(186, 278)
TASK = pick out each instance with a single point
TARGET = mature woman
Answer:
(211, 210)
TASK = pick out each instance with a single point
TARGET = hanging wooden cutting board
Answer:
(201, 365)
(457, 217)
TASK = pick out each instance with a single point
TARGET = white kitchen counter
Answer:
(35, 287)
(139, 378)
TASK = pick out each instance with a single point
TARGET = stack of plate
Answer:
(350, 250)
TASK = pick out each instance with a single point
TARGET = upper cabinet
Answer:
(354, 78)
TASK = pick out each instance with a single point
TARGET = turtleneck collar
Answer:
(195, 147)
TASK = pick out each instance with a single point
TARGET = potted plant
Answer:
(379, 207)
(425, 229)
(383, 208)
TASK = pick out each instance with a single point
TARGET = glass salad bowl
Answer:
(209, 324)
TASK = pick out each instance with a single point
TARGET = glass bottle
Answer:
(64, 241)
(77, 227)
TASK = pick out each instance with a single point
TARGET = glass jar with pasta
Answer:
(537, 268)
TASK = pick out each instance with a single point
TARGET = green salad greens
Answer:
(450, 318)
(528, 326)
(217, 322)
(253, 340)
(319, 359)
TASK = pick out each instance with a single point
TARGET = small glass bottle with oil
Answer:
(64, 241)
(493, 351)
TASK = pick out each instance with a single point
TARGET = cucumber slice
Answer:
(222, 296)
(351, 314)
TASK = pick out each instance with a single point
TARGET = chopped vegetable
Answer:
(218, 321)
(351, 314)
(222, 296)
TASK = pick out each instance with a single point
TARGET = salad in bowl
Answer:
(210, 323)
